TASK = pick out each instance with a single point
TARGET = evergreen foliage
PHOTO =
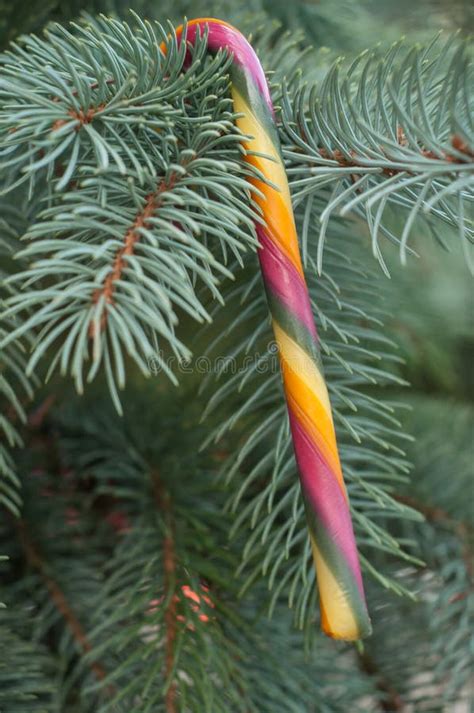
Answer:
(152, 527)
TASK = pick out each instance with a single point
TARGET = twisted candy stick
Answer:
(342, 601)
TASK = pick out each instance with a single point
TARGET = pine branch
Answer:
(15, 387)
(394, 132)
(9, 434)
(169, 566)
(60, 602)
(428, 660)
(27, 670)
(139, 166)
(224, 657)
(138, 199)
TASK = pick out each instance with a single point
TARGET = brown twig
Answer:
(163, 502)
(456, 142)
(392, 700)
(132, 236)
(57, 595)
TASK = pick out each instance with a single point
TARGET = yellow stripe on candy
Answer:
(301, 363)
(276, 205)
(262, 143)
(307, 394)
(335, 607)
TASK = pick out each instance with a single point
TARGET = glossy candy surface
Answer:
(342, 601)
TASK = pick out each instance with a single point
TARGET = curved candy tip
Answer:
(201, 23)
(222, 35)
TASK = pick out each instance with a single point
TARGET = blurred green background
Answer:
(430, 299)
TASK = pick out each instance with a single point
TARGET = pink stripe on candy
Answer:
(327, 499)
(221, 36)
(284, 280)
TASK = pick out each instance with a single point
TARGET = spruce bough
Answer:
(124, 178)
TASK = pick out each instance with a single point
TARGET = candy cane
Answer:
(342, 601)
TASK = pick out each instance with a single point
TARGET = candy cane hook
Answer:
(342, 601)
